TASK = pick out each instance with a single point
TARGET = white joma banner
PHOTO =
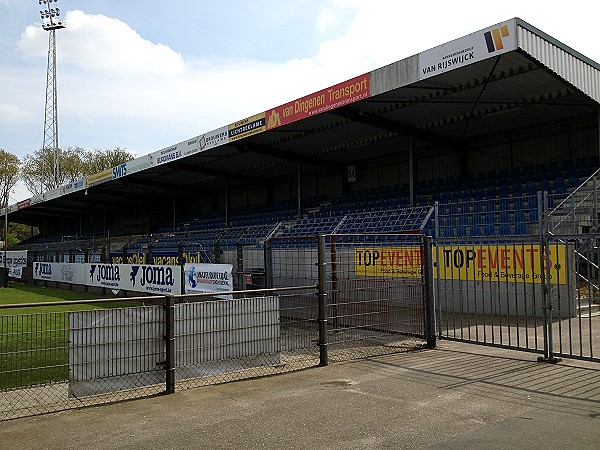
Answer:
(129, 277)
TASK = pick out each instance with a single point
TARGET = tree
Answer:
(98, 160)
(9, 175)
(37, 170)
(74, 164)
(18, 232)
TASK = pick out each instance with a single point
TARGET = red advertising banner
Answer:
(325, 100)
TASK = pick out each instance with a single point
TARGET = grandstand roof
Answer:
(510, 76)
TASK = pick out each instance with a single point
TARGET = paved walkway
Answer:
(458, 396)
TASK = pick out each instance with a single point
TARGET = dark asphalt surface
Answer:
(458, 396)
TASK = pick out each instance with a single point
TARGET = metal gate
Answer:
(537, 293)
(492, 291)
(575, 329)
(377, 297)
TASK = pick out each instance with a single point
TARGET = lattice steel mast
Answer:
(51, 24)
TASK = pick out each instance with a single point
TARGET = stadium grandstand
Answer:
(458, 141)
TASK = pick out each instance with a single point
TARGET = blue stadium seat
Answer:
(520, 224)
(518, 203)
(504, 227)
(463, 222)
(475, 228)
(489, 229)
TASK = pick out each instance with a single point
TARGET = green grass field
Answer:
(34, 341)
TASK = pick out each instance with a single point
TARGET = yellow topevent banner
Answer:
(520, 262)
(402, 262)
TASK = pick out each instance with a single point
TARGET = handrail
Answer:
(573, 208)
(157, 298)
(576, 190)
(82, 302)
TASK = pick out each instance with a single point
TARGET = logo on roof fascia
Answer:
(493, 38)
(472, 48)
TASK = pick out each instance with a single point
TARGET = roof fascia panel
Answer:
(572, 66)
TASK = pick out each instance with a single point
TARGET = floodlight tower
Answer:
(51, 23)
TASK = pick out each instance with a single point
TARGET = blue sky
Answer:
(145, 75)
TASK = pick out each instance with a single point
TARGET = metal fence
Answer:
(40, 354)
(574, 331)
(377, 288)
(490, 291)
(320, 306)
(537, 292)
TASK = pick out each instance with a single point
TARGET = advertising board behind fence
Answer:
(129, 277)
(15, 261)
(200, 278)
(494, 263)
(507, 262)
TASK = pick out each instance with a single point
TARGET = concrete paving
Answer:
(458, 396)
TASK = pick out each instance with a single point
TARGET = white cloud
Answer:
(108, 72)
(326, 19)
(102, 45)
(12, 113)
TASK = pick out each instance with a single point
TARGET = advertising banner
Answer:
(327, 99)
(37, 198)
(489, 42)
(189, 147)
(135, 277)
(54, 193)
(247, 127)
(15, 261)
(60, 272)
(14, 258)
(516, 262)
(213, 138)
(72, 187)
(201, 278)
(129, 277)
(135, 165)
(397, 262)
(98, 178)
(167, 259)
(174, 152)
(494, 263)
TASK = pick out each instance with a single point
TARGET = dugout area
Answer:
(444, 121)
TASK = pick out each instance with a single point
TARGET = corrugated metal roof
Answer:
(572, 66)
